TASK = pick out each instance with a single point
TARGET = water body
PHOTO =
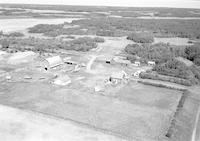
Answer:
(173, 41)
(174, 18)
(11, 25)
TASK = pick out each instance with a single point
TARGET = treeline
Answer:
(178, 69)
(186, 29)
(12, 34)
(167, 62)
(155, 76)
(123, 27)
(141, 37)
(49, 45)
(52, 30)
(43, 28)
(159, 53)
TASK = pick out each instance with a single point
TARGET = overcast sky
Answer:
(133, 3)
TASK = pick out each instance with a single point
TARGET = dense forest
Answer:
(166, 58)
(159, 53)
(123, 27)
(49, 45)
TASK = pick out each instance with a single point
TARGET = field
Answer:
(101, 96)
(129, 115)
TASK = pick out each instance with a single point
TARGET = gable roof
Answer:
(54, 61)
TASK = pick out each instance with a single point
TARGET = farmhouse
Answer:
(117, 77)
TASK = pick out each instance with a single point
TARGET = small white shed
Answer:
(137, 63)
(151, 63)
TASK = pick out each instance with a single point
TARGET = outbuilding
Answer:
(137, 73)
(117, 77)
(151, 63)
(53, 62)
(62, 80)
(137, 63)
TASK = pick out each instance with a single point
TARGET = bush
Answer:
(174, 68)
(141, 37)
(166, 78)
(108, 33)
(5, 43)
(193, 53)
(132, 49)
(178, 69)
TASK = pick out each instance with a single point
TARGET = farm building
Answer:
(137, 63)
(62, 80)
(117, 77)
(70, 62)
(137, 73)
(121, 61)
(52, 62)
(151, 63)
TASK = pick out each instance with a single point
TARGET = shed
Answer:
(151, 63)
(137, 63)
(62, 80)
(52, 62)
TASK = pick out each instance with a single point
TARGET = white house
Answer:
(117, 77)
(151, 63)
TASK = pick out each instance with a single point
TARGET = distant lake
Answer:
(20, 24)
(173, 41)
(174, 18)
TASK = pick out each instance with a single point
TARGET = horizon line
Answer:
(97, 5)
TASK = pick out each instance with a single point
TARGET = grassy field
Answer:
(20, 125)
(133, 115)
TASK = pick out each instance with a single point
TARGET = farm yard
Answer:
(111, 79)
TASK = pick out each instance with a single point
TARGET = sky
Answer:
(130, 3)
